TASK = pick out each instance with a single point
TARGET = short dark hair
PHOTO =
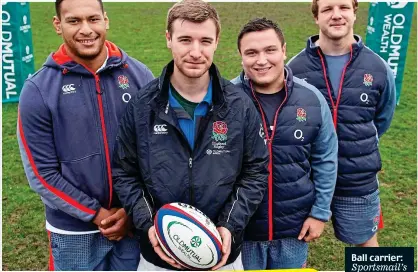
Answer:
(58, 7)
(259, 24)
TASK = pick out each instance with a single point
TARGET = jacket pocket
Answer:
(88, 176)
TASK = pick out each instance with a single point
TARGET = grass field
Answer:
(139, 28)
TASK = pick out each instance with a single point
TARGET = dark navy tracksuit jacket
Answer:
(67, 124)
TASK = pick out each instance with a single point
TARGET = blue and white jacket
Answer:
(362, 111)
(67, 125)
(303, 161)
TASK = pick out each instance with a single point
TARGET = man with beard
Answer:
(192, 137)
(67, 122)
(303, 152)
(360, 90)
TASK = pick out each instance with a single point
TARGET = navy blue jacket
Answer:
(67, 125)
(224, 175)
(362, 111)
(303, 161)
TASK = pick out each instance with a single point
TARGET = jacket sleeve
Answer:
(127, 179)
(386, 106)
(324, 161)
(252, 182)
(38, 152)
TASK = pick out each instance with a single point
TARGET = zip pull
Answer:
(190, 162)
(166, 108)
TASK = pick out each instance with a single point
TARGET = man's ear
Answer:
(106, 19)
(56, 22)
(168, 38)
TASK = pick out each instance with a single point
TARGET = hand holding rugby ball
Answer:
(188, 236)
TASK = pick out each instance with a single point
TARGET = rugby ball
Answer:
(188, 236)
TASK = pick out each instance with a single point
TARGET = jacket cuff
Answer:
(320, 214)
(227, 226)
(97, 209)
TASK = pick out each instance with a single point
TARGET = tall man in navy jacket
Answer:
(360, 90)
(69, 112)
(192, 137)
(303, 152)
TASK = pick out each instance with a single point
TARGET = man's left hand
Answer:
(226, 247)
(116, 226)
(312, 229)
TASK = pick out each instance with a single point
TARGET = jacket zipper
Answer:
(269, 140)
(104, 135)
(192, 155)
(106, 147)
(191, 191)
(334, 104)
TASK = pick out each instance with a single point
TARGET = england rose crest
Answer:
(368, 80)
(219, 131)
(300, 115)
(123, 82)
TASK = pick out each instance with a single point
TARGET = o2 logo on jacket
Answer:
(126, 97)
(298, 134)
(364, 98)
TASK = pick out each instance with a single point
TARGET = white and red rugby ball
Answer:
(188, 236)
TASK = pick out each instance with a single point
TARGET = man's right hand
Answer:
(157, 248)
(103, 214)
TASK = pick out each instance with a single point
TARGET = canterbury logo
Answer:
(68, 89)
(160, 129)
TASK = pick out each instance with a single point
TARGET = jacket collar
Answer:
(61, 60)
(312, 49)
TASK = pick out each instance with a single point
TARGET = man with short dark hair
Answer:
(192, 137)
(302, 146)
(359, 87)
(68, 118)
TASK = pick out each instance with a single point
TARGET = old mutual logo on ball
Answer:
(196, 241)
(186, 248)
